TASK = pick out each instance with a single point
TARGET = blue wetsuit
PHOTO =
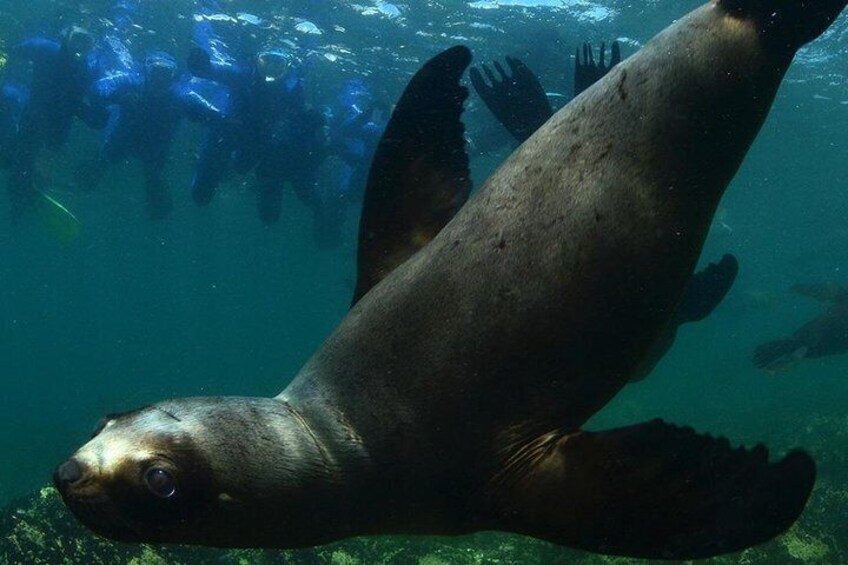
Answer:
(354, 132)
(13, 99)
(278, 136)
(211, 62)
(59, 81)
(145, 109)
(210, 102)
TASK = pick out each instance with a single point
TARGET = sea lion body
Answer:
(529, 311)
(450, 398)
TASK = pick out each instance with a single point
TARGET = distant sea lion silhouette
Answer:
(450, 398)
(823, 336)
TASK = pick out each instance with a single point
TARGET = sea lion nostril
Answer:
(67, 473)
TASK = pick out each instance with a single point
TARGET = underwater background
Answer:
(211, 302)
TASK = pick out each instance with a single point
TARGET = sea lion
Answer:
(519, 103)
(823, 336)
(450, 398)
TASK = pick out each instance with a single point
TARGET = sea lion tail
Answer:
(789, 22)
(652, 490)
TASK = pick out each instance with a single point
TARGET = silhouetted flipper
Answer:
(779, 354)
(419, 177)
(517, 100)
(651, 490)
(587, 72)
(706, 289)
(704, 292)
(824, 335)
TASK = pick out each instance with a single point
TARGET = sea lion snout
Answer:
(68, 473)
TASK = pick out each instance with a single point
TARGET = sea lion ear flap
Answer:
(419, 177)
(652, 490)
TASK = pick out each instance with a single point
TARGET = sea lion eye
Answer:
(160, 482)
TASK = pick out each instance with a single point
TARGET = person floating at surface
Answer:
(62, 72)
(354, 126)
(518, 100)
(13, 99)
(212, 58)
(210, 103)
(823, 336)
(278, 136)
(145, 109)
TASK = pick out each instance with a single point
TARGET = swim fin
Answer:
(60, 223)
(651, 490)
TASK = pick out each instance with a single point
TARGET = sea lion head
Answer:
(197, 470)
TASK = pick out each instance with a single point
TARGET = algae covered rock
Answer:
(38, 530)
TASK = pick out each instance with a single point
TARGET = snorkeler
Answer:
(823, 336)
(145, 109)
(354, 126)
(279, 136)
(518, 100)
(13, 100)
(62, 72)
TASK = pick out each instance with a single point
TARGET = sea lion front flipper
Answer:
(419, 177)
(651, 490)
(706, 289)
(517, 100)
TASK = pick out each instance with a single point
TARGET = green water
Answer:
(211, 302)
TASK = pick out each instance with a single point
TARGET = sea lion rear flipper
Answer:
(652, 490)
(587, 72)
(419, 177)
(706, 289)
(517, 100)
